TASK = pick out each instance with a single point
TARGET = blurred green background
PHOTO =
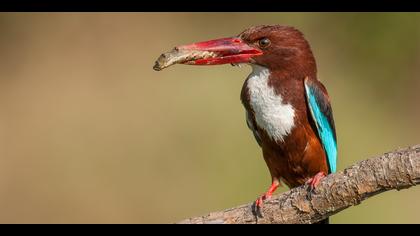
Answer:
(89, 133)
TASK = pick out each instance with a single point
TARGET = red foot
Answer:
(314, 181)
(268, 194)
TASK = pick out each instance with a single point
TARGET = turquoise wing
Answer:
(321, 113)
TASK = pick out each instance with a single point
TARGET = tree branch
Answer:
(399, 169)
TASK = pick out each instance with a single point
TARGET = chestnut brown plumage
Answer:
(287, 107)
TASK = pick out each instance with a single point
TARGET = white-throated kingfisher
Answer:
(287, 108)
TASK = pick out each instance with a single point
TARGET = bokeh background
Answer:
(89, 133)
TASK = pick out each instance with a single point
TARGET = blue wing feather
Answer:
(321, 112)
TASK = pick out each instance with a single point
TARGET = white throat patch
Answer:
(276, 118)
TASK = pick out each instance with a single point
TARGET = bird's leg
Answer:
(314, 181)
(274, 185)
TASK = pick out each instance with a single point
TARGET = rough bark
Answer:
(398, 170)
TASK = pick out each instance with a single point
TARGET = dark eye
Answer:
(264, 42)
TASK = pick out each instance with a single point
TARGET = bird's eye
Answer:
(264, 42)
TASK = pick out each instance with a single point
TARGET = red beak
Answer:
(213, 52)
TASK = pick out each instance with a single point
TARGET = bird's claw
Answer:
(260, 201)
(314, 181)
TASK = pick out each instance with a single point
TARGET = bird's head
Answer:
(274, 47)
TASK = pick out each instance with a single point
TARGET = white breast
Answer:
(271, 114)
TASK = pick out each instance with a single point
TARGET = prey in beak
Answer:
(214, 52)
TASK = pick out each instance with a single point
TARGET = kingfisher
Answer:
(287, 108)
